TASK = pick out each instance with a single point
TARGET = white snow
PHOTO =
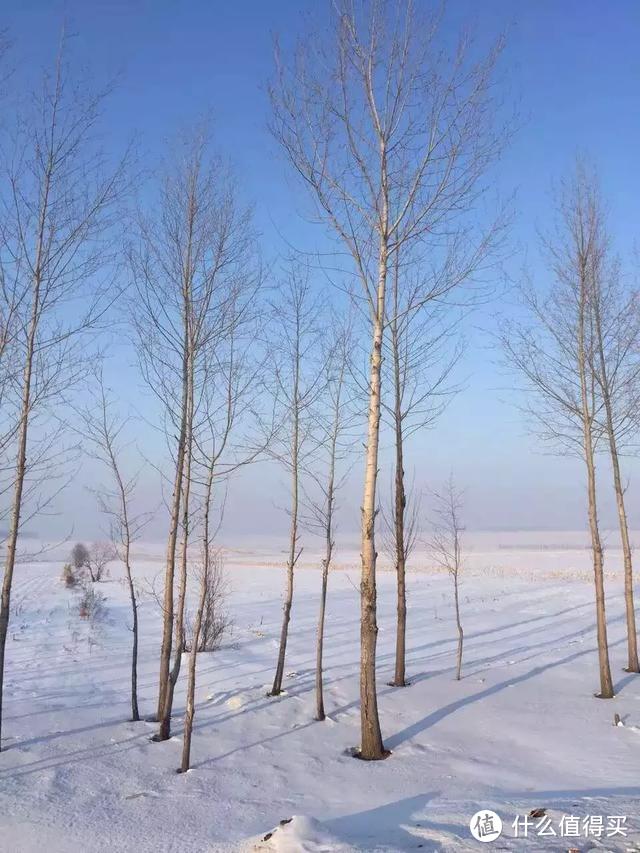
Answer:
(521, 731)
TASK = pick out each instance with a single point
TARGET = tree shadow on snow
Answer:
(439, 714)
(416, 653)
(399, 824)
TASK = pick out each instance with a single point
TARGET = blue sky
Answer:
(572, 67)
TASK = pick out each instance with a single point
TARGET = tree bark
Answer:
(632, 638)
(371, 747)
(197, 628)
(606, 684)
(126, 530)
(400, 503)
(164, 732)
(460, 631)
(320, 714)
(276, 689)
(191, 676)
(401, 627)
(337, 426)
(135, 713)
(174, 521)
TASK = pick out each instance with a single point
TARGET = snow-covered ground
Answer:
(521, 731)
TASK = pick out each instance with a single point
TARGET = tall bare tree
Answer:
(423, 348)
(447, 547)
(392, 135)
(59, 197)
(297, 382)
(616, 367)
(208, 559)
(555, 351)
(224, 441)
(102, 431)
(335, 418)
(192, 258)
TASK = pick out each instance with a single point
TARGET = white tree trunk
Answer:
(371, 747)
(606, 684)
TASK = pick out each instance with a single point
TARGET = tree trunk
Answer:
(126, 543)
(197, 628)
(371, 747)
(135, 713)
(164, 731)
(191, 677)
(460, 631)
(401, 628)
(288, 601)
(632, 639)
(400, 503)
(293, 540)
(320, 714)
(174, 521)
(21, 464)
(606, 685)
(23, 435)
(326, 563)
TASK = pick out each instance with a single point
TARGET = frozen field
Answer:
(520, 731)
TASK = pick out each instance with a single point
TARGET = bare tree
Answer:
(616, 367)
(191, 673)
(298, 380)
(423, 350)
(447, 547)
(215, 622)
(102, 430)
(392, 136)
(99, 555)
(335, 420)
(554, 351)
(209, 558)
(194, 260)
(56, 217)
(223, 443)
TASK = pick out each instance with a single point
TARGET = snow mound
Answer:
(302, 834)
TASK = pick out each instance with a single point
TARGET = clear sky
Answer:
(573, 68)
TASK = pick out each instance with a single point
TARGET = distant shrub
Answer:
(69, 578)
(79, 556)
(98, 556)
(91, 604)
(216, 623)
(215, 627)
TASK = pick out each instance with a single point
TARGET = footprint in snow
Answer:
(236, 702)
